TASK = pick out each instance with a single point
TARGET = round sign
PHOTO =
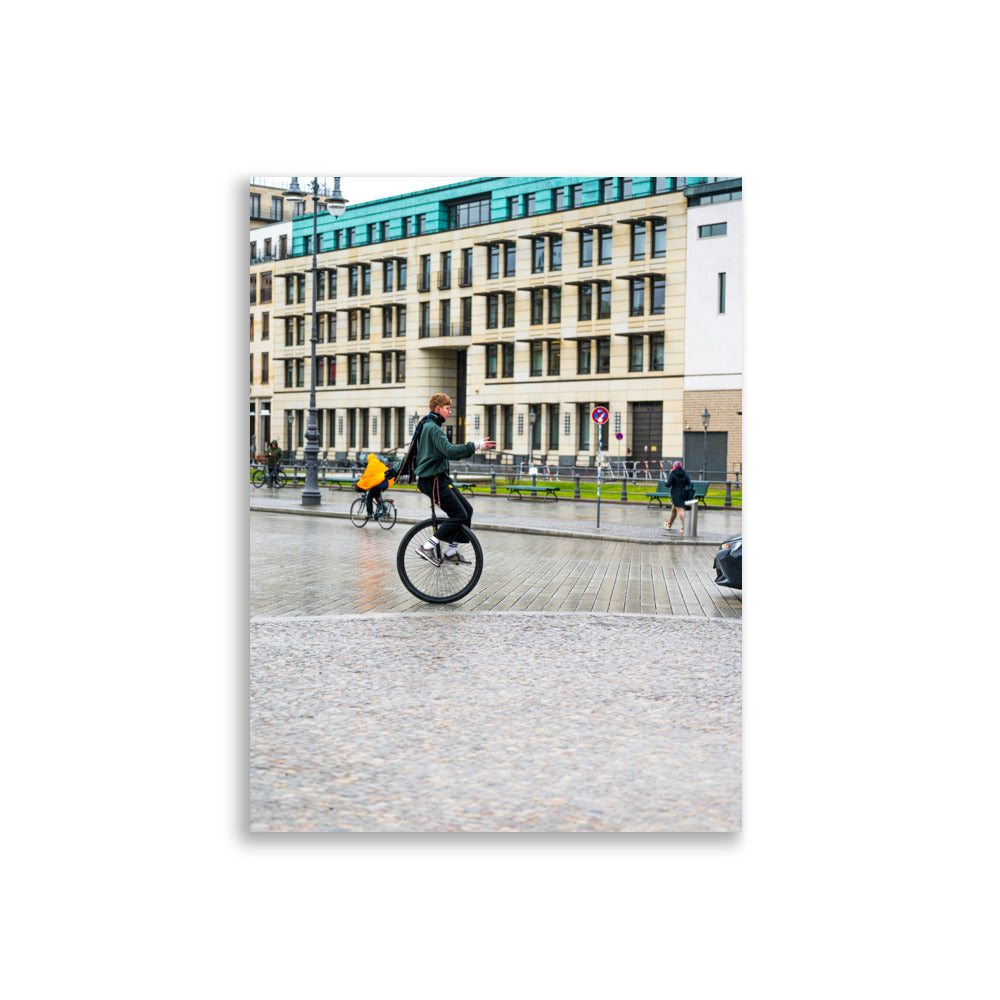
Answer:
(600, 415)
(619, 436)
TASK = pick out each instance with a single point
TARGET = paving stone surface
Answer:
(493, 723)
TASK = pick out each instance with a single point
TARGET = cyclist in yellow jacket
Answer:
(375, 480)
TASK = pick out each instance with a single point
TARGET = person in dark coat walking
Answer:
(677, 482)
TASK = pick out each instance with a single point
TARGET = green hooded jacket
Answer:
(434, 450)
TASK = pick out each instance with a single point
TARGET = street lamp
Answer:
(335, 204)
(705, 417)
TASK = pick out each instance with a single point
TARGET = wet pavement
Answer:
(589, 683)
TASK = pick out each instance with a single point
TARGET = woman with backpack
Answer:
(678, 482)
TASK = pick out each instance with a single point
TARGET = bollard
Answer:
(576, 487)
(534, 479)
(624, 492)
(691, 528)
(729, 493)
(493, 484)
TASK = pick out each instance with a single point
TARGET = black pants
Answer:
(370, 495)
(447, 497)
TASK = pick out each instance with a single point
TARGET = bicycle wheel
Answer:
(442, 584)
(258, 478)
(282, 478)
(387, 518)
(359, 513)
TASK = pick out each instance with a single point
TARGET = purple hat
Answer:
(676, 465)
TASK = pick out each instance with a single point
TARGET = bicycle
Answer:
(444, 580)
(383, 511)
(261, 476)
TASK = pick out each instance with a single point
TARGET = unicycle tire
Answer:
(445, 583)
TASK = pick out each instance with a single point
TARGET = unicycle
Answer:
(441, 580)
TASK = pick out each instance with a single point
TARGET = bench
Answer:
(338, 481)
(662, 493)
(466, 481)
(546, 491)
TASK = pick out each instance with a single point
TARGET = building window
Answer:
(401, 321)
(407, 226)
(421, 225)
(555, 253)
(253, 251)
(513, 207)
(604, 300)
(604, 246)
(289, 330)
(290, 290)
(352, 369)
(635, 354)
(352, 279)
(638, 241)
(265, 375)
(277, 209)
(537, 254)
(446, 318)
(352, 324)
(637, 296)
(491, 360)
(331, 380)
(265, 287)
(331, 328)
(365, 359)
(387, 366)
(469, 211)
(366, 279)
(289, 373)
(583, 423)
(425, 319)
(255, 206)
(332, 282)
(659, 288)
(300, 372)
(444, 277)
(586, 248)
(265, 333)
(555, 305)
(583, 357)
(320, 284)
(537, 352)
(626, 186)
(722, 291)
(401, 275)
(387, 268)
(300, 329)
(585, 300)
(491, 310)
(509, 259)
(251, 368)
(715, 229)
(400, 366)
(366, 324)
(553, 426)
(386, 321)
(307, 244)
(607, 189)
(529, 204)
(576, 196)
(465, 278)
(424, 285)
(371, 232)
(253, 288)
(507, 359)
(537, 306)
(383, 228)
(467, 316)
(558, 199)
(319, 371)
(300, 284)
(493, 261)
(660, 238)
(508, 308)
(603, 355)
(555, 356)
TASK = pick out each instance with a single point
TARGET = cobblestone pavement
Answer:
(514, 722)
(590, 682)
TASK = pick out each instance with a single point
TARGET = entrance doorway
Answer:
(647, 432)
(705, 454)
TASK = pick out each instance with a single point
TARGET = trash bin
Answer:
(691, 528)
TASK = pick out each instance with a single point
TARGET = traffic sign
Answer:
(600, 415)
(619, 435)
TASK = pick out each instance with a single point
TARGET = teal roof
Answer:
(432, 203)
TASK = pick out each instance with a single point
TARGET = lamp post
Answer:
(705, 417)
(289, 416)
(335, 205)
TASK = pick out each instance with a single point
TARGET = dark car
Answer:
(729, 563)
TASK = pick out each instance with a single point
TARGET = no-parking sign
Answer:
(600, 415)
